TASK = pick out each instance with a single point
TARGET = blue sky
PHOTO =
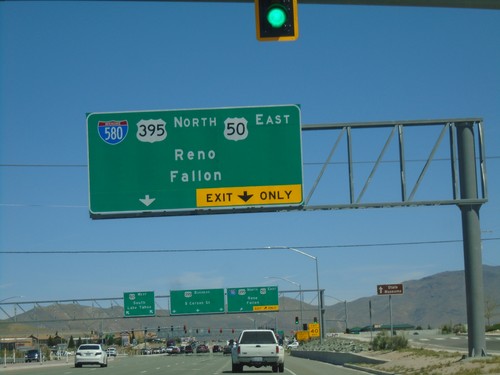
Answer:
(61, 60)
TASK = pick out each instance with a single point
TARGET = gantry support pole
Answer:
(471, 232)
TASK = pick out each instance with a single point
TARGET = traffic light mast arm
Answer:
(471, 4)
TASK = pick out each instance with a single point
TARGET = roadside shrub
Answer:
(457, 328)
(399, 342)
(446, 329)
(494, 327)
(385, 342)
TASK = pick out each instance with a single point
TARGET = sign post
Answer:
(175, 162)
(314, 330)
(390, 289)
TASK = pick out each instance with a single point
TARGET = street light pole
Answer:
(300, 293)
(317, 282)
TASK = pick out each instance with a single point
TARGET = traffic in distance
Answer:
(185, 357)
(192, 364)
(253, 348)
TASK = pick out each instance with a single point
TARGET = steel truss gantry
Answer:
(467, 190)
(408, 194)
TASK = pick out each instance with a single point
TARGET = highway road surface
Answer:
(452, 342)
(181, 364)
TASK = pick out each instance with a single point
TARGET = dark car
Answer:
(188, 349)
(229, 347)
(216, 349)
(32, 356)
(202, 349)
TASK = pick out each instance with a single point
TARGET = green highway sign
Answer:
(197, 301)
(172, 162)
(253, 299)
(138, 304)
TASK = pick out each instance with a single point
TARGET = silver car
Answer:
(91, 354)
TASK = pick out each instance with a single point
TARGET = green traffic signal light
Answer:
(277, 16)
(276, 20)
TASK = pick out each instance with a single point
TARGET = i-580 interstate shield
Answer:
(170, 162)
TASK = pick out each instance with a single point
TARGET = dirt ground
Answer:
(426, 362)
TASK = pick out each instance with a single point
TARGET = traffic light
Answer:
(296, 320)
(276, 20)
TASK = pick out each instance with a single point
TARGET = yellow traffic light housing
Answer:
(276, 20)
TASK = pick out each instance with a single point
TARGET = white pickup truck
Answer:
(258, 348)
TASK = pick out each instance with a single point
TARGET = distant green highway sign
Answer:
(197, 301)
(170, 162)
(138, 304)
(253, 299)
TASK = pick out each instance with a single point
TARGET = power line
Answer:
(30, 165)
(230, 249)
(44, 165)
(42, 205)
(20, 165)
(393, 161)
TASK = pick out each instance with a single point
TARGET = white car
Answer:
(293, 345)
(258, 348)
(173, 350)
(91, 354)
(111, 352)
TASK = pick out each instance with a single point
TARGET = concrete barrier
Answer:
(348, 360)
(335, 358)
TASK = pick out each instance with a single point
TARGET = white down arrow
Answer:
(147, 201)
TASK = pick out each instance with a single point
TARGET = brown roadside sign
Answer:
(388, 289)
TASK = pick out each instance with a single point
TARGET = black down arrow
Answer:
(245, 197)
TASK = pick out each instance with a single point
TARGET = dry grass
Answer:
(430, 362)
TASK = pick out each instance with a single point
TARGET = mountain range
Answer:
(430, 302)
